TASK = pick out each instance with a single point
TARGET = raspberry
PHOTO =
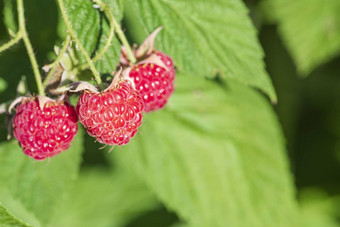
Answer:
(113, 115)
(154, 82)
(153, 74)
(47, 131)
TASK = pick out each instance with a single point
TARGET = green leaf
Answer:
(203, 37)
(3, 84)
(38, 184)
(92, 29)
(8, 220)
(9, 16)
(319, 209)
(309, 28)
(117, 8)
(110, 59)
(216, 156)
(101, 198)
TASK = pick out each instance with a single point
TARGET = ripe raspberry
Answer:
(111, 116)
(47, 131)
(154, 82)
(153, 74)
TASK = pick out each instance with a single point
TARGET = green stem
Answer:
(124, 41)
(80, 46)
(118, 29)
(57, 60)
(11, 42)
(22, 30)
(109, 14)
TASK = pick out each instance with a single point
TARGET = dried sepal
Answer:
(15, 102)
(156, 60)
(64, 72)
(118, 77)
(123, 57)
(147, 46)
(42, 100)
(81, 86)
(143, 52)
(126, 72)
(63, 98)
(55, 79)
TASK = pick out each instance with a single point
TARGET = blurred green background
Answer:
(308, 108)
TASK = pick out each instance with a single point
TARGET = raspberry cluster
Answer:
(44, 132)
(45, 127)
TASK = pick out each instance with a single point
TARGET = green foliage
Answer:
(215, 155)
(3, 84)
(92, 29)
(202, 159)
(319, 209)
(8, 220)
(204, 37)
(9, 16)
(100, 198)
(310, 29)
(38, 185)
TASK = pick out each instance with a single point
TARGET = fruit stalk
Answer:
(28, 45)
(118, 29)
(124, 41)
(80, 46)
(11, 42)
(108, 13)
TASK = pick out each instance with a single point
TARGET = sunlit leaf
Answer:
(38, 185)
(8, 220)
(103, 199)
(92, 29)
(203, 37)
(216, 156)
(310, 29)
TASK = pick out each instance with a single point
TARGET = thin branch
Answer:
(80, 46)
(109, 14)
(22, 30)
(57, 60)
(118, 29)
(12, 42)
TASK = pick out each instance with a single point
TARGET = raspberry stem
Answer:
(124, 41)
(22, 34)
(118, 28)
(107, 11)
(12, 42)
(28, 45)
(57, 60)
(80, 46)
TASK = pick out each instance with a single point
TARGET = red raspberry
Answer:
(155, 83)
(111, 116)
(47, 131)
